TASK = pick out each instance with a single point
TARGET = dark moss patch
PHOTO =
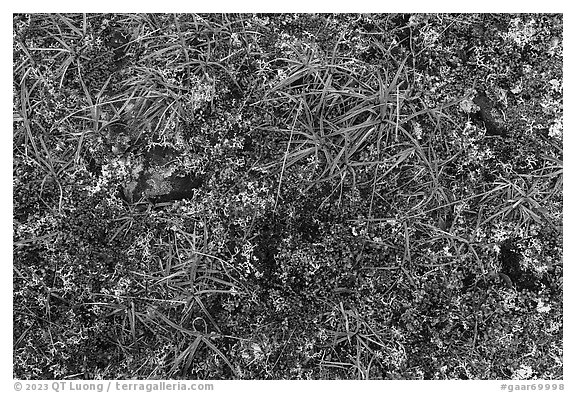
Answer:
(512, 271)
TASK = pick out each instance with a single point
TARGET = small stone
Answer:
(155, 179)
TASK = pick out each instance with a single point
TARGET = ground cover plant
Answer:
(282, 196)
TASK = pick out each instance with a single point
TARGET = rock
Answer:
(154, 178)
(488, 116)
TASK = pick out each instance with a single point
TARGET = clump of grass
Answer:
(356, 346)
(355, 124)
(183, 281)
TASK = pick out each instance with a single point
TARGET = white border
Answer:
(298, 6)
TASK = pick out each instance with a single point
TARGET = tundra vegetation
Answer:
(283, 196)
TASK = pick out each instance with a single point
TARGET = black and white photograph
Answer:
(287, 196)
